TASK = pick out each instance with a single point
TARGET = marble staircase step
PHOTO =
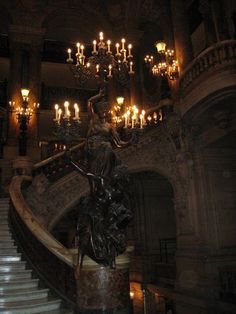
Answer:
(5, 243)
(60, 311)
(4, 207)
(32, 294)
(5, 233)
(19, 292)
(10, 258)
(18, 284)
(4, 214)
(31, 306)
(7, 250)
(5, 227)
(13, 265)
(16, 274)
(6, 238)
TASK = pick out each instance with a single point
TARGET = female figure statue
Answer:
(104, 214)
(101, 138)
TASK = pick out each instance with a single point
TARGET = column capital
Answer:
(22, 34)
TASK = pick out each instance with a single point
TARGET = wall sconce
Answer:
(23, 115)
(164, 63)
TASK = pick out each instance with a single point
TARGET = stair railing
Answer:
(53, 262)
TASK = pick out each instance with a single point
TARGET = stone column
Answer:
(214, 21)
(183, 45)
(208, 22)
(219, 19)
(14, 90)
(25, 65)
(166, 24)
(35, 89)
(101, 290)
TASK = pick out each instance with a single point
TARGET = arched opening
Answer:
(153, 230)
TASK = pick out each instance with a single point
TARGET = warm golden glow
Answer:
(165, 64)
(131, 294)
(120, 100)
(24, 92)
(101, 36)
(161, 46)
(120, 52)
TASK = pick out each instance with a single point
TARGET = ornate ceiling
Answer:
(72, 20)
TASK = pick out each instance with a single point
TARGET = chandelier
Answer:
(104, 62)
(132, 117)
(66, 124)
(23, 112)
(164, 63)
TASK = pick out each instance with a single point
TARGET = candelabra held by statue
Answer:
(104, 213)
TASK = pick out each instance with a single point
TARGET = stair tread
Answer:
(59, 311)
(2, 254)
(26, 291)
(13, 271)
(12, 262)
(6, 238)
(16, 280)
(7, 247)
(23, 290)
(19, 292)
(28, 303)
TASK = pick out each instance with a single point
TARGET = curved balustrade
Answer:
(55, 167)
(52, 261)
(220, 53)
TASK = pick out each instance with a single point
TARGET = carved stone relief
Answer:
(161, 150)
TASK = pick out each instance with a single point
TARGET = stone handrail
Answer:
(53, 263)
(57, 161)
(41, 233)
(68, 256)
(219, 53)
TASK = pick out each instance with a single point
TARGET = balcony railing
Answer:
(220, 53)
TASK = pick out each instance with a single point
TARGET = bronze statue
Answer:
(103, 215)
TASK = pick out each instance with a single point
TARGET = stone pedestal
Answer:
(101, 290)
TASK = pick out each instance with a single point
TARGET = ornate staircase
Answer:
(19, 290)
